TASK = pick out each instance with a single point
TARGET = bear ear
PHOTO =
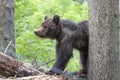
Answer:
(46, 17)
(56, 19)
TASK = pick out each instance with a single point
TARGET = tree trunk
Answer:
(119, 36)
(7, 27)
(119, 29)
(104, 40)
(10, 67)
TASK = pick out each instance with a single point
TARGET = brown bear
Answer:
(68, 35)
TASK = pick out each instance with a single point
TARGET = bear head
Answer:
(49, 27)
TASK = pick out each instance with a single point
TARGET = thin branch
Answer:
(7, 46)
(34, 62)
(46, 63)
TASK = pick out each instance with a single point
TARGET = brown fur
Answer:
(68, 35)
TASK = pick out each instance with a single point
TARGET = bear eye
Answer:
(45, 26)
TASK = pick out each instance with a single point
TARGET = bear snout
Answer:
(36, 32)
(39, 33)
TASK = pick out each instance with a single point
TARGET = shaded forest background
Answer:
(28, 16)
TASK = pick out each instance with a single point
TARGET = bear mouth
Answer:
(41, 36)
(38, 35)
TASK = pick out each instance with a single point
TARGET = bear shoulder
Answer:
(69, 24)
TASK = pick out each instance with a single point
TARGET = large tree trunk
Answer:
(104, 40)
(119, 36)
(119, 29)
(7, 27)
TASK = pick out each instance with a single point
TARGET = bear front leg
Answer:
(63, 54)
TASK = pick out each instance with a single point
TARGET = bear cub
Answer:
(68, 35)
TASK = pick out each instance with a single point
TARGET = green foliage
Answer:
(28, 16)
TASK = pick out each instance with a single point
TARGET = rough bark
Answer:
(119, 30)
(119, 35)
(104, 40)
(10, 67)
(7, 27)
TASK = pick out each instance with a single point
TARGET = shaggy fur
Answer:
(68, 35)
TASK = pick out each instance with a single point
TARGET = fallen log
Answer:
(45, 77)
(15, 70)
(10, 67)
(51, 77)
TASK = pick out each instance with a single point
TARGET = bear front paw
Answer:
(51, 73)
(54, 71)
(82, 73)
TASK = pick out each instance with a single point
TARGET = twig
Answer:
(46, 63)
(7, 46)
(34, 62)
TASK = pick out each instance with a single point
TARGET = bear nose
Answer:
(35, 31)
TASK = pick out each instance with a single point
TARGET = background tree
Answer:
(7, 37)
(104, 40)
